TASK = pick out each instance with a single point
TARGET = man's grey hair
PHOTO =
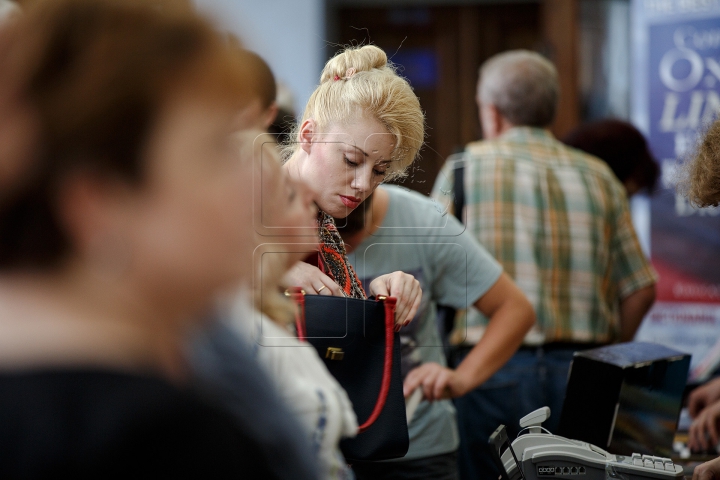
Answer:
(523, 86)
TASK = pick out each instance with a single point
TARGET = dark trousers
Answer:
(438, 467)
(532, 378)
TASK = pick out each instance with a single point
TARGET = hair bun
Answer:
(353, 60)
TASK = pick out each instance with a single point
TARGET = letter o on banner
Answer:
(697, 68)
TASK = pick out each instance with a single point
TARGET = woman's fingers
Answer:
(324, 285)
(311, 280)
(409, 297)
(405, 288)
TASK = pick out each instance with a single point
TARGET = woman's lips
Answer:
(350, 202)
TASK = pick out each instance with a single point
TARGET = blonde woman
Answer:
(363, 125)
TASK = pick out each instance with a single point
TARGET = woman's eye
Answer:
(347, 160)
(379, 173)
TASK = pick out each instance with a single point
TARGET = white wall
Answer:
(288, 34)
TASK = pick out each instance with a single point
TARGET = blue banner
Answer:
(676, 95)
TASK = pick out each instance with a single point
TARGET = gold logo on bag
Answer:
(334, 353)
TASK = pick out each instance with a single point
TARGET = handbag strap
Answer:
(298, 297)
(389, 303)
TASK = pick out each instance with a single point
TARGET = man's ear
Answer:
(307, 130)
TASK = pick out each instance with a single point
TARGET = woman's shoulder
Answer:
(95, 421)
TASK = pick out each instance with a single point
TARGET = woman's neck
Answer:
(76, 319)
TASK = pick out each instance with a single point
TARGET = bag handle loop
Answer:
(298, 297)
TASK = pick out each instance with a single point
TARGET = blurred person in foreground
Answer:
(9, 11)
(251, 322)
(699, 181)
(123, 212)
(285, 223)
(558, 222)
(402, 230)
(623, 148)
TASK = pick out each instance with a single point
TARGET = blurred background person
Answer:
(123, 212)
(558, 222)
(623, 148)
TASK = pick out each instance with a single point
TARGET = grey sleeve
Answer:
(463, 270)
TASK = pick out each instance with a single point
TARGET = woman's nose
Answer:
(362, 181)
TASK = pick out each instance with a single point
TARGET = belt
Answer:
(547, 347)
(553, 346)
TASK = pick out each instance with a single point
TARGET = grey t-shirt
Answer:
(416, 237)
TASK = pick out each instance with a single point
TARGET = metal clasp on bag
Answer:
(288, 293)
(334, 353)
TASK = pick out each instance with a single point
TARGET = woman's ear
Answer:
(307, 130)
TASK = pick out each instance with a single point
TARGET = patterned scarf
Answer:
(333, 258)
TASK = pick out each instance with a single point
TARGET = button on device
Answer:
(669, 465)
(637, 459)
(648, 463)
(659, 465)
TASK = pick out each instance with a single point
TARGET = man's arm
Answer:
(632, 310)
(511, 316)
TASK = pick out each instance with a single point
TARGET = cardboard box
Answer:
(625, 398)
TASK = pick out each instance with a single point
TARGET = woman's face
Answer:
(344, 163)
(189, 227)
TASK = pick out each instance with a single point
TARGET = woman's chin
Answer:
(340, 211)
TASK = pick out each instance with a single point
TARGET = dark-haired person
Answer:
(623, 148)
(558, 222)
(123, 211)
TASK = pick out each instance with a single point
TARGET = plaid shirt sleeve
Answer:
(442, 191)
(631, 269)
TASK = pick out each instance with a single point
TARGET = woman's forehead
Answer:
(366, 134)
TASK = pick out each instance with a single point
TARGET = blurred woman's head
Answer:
(284, 223)
(115, 150)
(623, 148)
(362, 125)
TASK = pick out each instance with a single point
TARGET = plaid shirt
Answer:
(558, 221)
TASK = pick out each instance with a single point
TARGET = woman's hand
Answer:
(703, 434)
(312, 280)
(703, 396)
(405, 289)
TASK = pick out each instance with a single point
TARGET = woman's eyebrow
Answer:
(358, 148)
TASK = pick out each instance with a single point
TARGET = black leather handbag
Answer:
(357, 341)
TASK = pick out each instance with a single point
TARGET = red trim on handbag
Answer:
(387, 368)
(298, 296)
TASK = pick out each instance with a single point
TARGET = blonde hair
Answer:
(360, 81)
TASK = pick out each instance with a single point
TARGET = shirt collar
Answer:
(527, 133)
